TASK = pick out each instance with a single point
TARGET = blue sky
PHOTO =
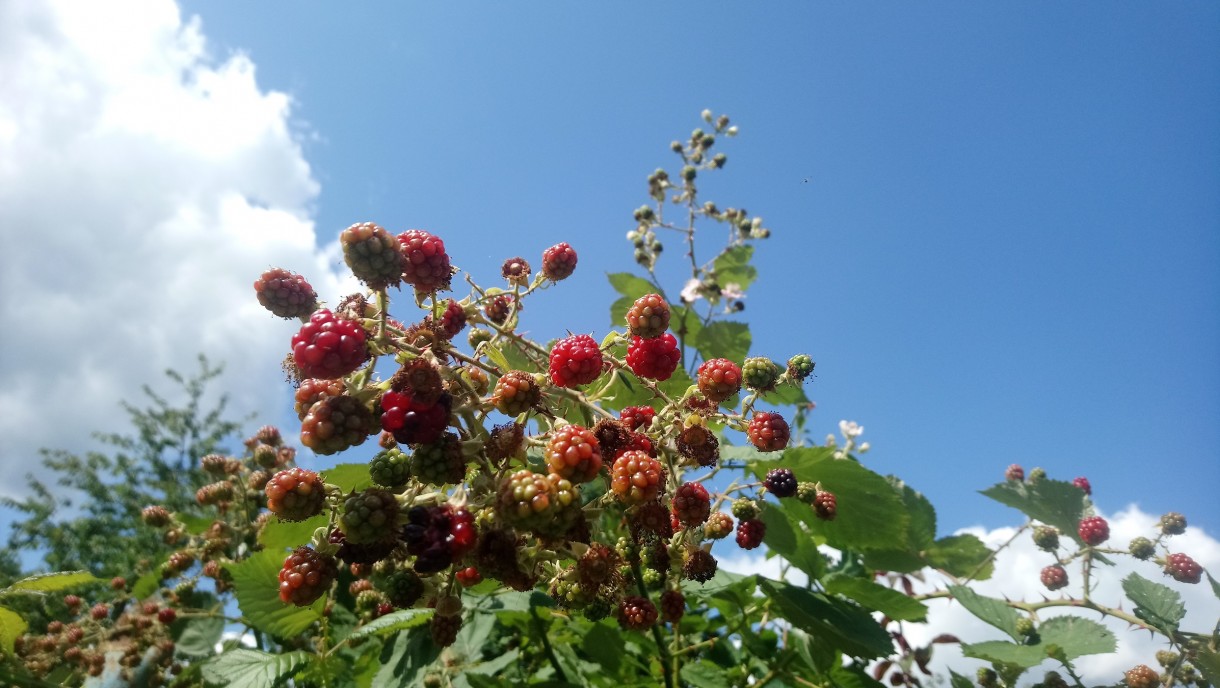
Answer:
(1007, 248)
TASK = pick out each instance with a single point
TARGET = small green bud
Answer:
(675, 146)
(689, 173)
(1025, 626)
(745, 508)
(1036, 475)
(707, 116)
(1142, 548)
(719, 160)
(722, 122)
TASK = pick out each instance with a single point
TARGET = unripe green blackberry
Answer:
(1046, 538)
(440, 462)
(373, 254)
(598, 609)
(800, 367)
(367, 601)
(370, 517)
(719, 525)
(1025, 626)
(477, 336)
(1173, 523)
(745, 508)
(404, 588)
(390, 468)
(1142, 548)
(527, 500)
(651, 578)
(1167, 658)
(265, 455)
(760, 373)
(1036, 475)
(567, 591)
(987, 678)
(689, 173)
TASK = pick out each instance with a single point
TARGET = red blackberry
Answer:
(496, 556)
(573, 452)
(760, 373)
(295, 494)
(328, 347)
(699, 565)
(691, 504)
(780, 481)
(558, 262)
(635, 477)
(654, 359)
(445, 629)
(636, 613)
(516, 392)
(305, 576)
(99, 611)
(438, 536)
(370, 516)
(575, 360)
(167, 616)
(285, 293)
(825, 506)
(516, 271)
(1014, 472)
(499, 307)
(719, 379)
(637, 417)
(1182, 568)
(427, 265)
(1054, 577)
(673, 606)
(452, 320)
(750, 533)
(1173, 523)
(390, 468)
(468, 577)
(1083, 483)
(1142, 676)
(768, 432)
(440, 462)
(698, 444)
(374, 256)
(648, 317)
(312, 391)
(155, 516)
(1094, 530)
(718, 526)
(412, 420)
(335, 424)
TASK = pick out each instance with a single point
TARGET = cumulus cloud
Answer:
(144, 185)
(1017, 577)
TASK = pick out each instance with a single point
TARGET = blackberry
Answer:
(699, 565)
(312, 391)
(516, 392)
(653, 359)
(1142, 548)
(374, 256)
(574, 453)
(516, 271)
(427, 266)
(698, 444)
(295, 494)
(305, 576)
(1173, 523)
(768, 432)
(413, 420)
(445, 629)
(781, 482)
(1182, 568)
(635, 477)
(500, 307)
(286, 294)
(558, 262)
(1054, 577)
(328, 347)
(691, 504)
(750, 533)
(370, 516)
(336, 423)
(441, 462)
(719, 379)
(637, 417)
(390, 468)
(1093, 530)
(744, 508)
(760, 374)
(636, 613)
(800, 367)
(718, 526)
(648, 317)
(825, 506)
(1046, 538)
(575, 360)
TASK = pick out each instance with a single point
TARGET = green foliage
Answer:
(256, 581)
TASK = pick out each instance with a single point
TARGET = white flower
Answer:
(850, 429)
(732, 290)
(690, 293)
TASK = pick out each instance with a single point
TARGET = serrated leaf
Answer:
(961, 555)
(12, 625)
(956, 680)
(1208, 663)
(605, 646)
(818, 656)
(871, 514)
(733, 267)
(492, 666)
(704, 674)
(1053, 502)
(1023, 656)
(888, 601)
(256, 585)
(1076, 636)
(631, 288)
(195, 525)
(404, 659)
(393, 622)
(989, 609)
(853, 677)
(1157, 604)
(735, 584)
(244, 668)
(724, 339)
(348, 477)
(1214, 583)
(921, 532)
(52, 582)
(786, 538)
(685, 324)
(497, 357)
(849, 628)
(197, 637)
(280, 535)
(146, 585)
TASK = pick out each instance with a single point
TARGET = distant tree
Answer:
(89, 517)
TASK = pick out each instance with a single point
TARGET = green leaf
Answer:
(849, 628)
(1214, 583)
(404, 659)
(819, 657)
(1157, 604)
(195, 525)
(631, 288)
(1076, 636)
(871, 515)
(349, 477)
(1023, 656)
(492, 666)
(961, 555)
(12, 625)
(1053, 502)
(922, 529)
(497, 357)
(685, 323)
(244, 668)
(888, 601)
(733, 267)
(52, 582)
(147, 584)
(989, 609)
(605, 646)
(956, 680)
(724, 339)
(280, 535)
(1207, 662)
(735, 585)
(704, 674)
(784, 537)
(197, 637)
(256, 585)
(393, 623)
(853, 677)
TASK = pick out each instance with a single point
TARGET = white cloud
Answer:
(144, 185)
(1017, 577)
